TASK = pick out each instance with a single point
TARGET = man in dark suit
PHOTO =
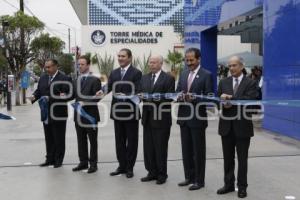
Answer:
(124, 81)
(193, 119)
(55, 122)
(235, 125)
(85, 88)
(157, 120)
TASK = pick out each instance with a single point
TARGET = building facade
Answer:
(273, 24)
(114, 24)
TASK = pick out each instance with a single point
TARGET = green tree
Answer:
(37, 70)
(144, 64)
(66, 63)
(175, 59)
(19, 52)
(45, 47)
(104, 64)
(136, 62)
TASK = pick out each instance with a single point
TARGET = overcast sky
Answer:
(50, 12)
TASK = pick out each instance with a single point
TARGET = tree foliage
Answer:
(66, 63)
(143, 64)
(45, 47)
(19, 57)
(104, 64)
(175, 59)
(19, 52)
(37, 70)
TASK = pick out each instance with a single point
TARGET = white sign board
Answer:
(141, 40)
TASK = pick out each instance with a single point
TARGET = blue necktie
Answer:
(82, 81)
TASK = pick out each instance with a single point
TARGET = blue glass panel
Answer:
(138, 12)
(281, 41)
(272, 7)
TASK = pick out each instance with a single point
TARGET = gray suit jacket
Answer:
(202, 84)
(164, 84)
(91, 85)
(132, 75)
(247, 90)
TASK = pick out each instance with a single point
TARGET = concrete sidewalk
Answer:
(273, 166)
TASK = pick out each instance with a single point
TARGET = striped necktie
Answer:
(122, 73)
(50, 80)
(236, 85)
(152, 81)
(190, 80)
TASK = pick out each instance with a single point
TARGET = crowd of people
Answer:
(57, 89)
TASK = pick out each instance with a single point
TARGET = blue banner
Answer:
(78, 108)
(176, 96)
(43, 103)
(6, 117)
(25, 79)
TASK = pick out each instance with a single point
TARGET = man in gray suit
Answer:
(193, 119)
(156, 120)
(235, 125)
(125, 80)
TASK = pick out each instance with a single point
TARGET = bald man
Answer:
(235, 126)
(156, 120)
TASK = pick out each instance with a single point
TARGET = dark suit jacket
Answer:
(247, 90)
(202, 84)
(43, 89)
(91, 85)
(132, 75)
(164, 84)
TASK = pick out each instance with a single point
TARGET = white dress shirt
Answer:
(156, 76)
(240, 78)
(195, 73)
(125, 68)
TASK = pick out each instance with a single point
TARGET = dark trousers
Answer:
(156, 150)
(83, 135)
(229, 143)
(126, 138)
(193, 153)
(55, 136)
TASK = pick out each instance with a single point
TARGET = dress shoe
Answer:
(160, 181)
(92, 169)
(185, 183)
(129, 174)
(117, 172)
(196, 186)
(242, 193)
(226, 189)
(46, 164)
(57, 165)
(80, 167)
(148, 178)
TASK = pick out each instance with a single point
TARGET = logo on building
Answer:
(98, 37)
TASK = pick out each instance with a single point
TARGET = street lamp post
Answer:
(69, 38)
(69, 35)
(8, 94)
(74, 29)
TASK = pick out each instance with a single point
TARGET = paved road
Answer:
(273, 166)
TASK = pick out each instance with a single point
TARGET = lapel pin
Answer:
(197, 76)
